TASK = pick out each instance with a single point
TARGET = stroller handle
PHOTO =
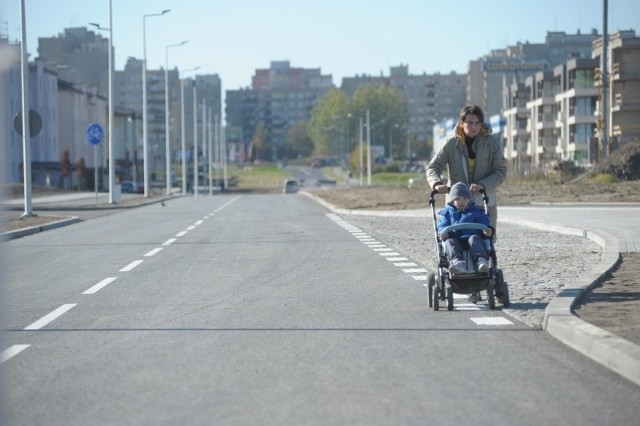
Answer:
(464, 227)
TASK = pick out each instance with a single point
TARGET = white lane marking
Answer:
(373, 243)
(198, 223)
(191, 228)
(376, 245)
(466, 307)
(403, 264)
(491, 321)
(391, 253)
(154, 251)
(414, 270)
(420, 278)
(169, 241)
(50, 317)
(396, 259)
(383, 249)
(100, 285)
(180, 234)
(131, 265)
(11, 351)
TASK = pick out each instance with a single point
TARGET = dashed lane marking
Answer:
(417, 273)
(100, 285)
(50, 317)
(154, 252)
(11, 351)
(131, 265)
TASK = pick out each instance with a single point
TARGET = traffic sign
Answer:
(95, 134)
(35, 123)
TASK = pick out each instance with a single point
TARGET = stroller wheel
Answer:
(491, 298)
(449, 299)
(431, 282)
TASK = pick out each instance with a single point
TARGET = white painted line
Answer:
(466, 307)
(198, 223)
(491, 321)
(372, 243)
(11, 351)
(383, 249)
(180, 234)
(50, 317)
(100, 285)
(131, 265)
(420, 278)
(169, 241)
(414, 270)
(403, 264)
(376, 245)
(191, 228)
(396, 259)
(392, 253)
(154, 251)
(366, 240)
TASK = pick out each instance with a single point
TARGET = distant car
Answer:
(290, 186)
(131, 187)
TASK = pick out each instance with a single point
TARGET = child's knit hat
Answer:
(459, 190)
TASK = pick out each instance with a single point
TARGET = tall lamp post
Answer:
(167, 132)
(183, 127)
(111, 171)
(145, 150)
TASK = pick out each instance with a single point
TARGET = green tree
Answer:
(327, 118)
(298, 141)
(388, 116)
(258, 148)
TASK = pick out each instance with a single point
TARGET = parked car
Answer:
(290, 186)
(131, 187)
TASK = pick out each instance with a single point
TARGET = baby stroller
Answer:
(443, 285)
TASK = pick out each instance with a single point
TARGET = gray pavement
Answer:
(601, 224)
(615, 228)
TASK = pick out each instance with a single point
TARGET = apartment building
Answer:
(280, 97)
(624, 87)
(430, 97)
(489, 75)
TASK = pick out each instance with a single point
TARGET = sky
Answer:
(343, 38)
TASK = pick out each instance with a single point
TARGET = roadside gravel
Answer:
(536, 264)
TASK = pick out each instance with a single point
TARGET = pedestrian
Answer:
(472, 156)
(461, 209)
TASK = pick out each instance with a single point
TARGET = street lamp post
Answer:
(183, 127)
(167, 132)
(145, 150)
(111, 171)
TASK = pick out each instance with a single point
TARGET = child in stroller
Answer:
(461, 209)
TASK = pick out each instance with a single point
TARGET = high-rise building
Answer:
(279, 98)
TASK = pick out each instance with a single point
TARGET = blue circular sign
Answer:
(95, 134)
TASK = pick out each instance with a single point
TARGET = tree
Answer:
(258, 141)
(65, 167)
(388, 115)
(81, 171)
(298, 141)
(327, 118)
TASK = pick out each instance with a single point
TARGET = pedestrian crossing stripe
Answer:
(491, 321)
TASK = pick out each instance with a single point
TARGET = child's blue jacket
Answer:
(451, 216)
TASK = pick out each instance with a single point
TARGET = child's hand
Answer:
(443, 236)
(488, 232)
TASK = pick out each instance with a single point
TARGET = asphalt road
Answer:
(266, 309)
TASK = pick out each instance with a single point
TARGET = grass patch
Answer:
(260, 177)
(603, 178)
(391, 178)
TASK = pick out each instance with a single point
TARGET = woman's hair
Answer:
(472, 109)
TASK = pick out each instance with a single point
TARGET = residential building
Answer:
(279, 98)
(624, 87)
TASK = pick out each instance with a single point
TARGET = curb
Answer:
(607, 349)
(19, 233)
(615, 353)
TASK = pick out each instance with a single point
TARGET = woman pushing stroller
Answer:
(461, 209)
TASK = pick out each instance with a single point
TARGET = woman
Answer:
(473, 157)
